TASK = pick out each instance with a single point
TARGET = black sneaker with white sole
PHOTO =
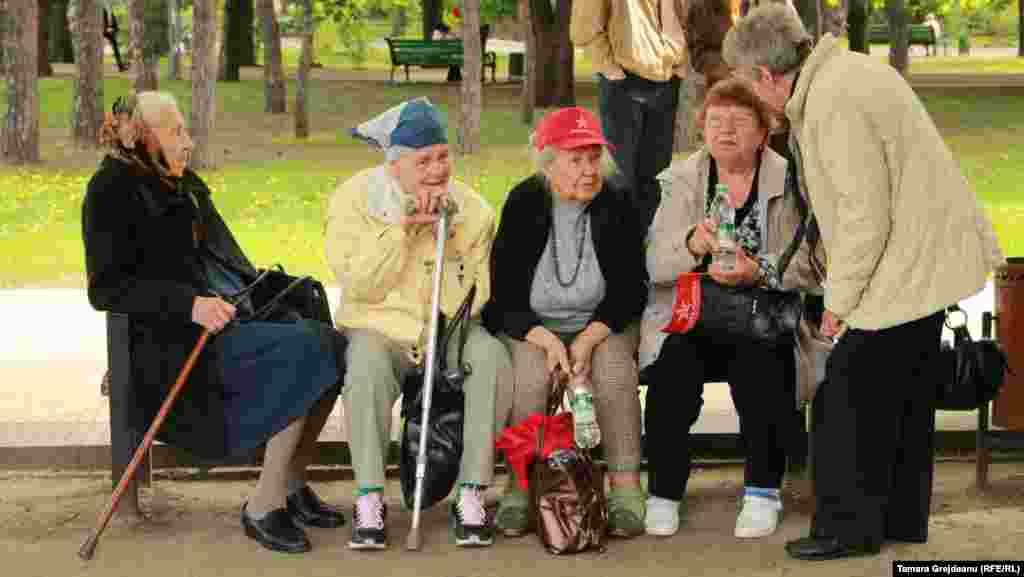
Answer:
(470, 522)
(368, 527)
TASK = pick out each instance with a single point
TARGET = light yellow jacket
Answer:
(903, 231)
(645, 37)
(385, 272)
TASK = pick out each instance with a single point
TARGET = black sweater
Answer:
(618, 235)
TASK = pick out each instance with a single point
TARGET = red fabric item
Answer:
(569, 128)
(686, 309)
(520, 442)
(456, 12)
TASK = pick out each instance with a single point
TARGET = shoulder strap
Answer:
(801, 229)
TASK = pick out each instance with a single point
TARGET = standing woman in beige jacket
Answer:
(904, 238)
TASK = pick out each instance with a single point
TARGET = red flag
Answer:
(686, 309)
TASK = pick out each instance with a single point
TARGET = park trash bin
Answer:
(965, 42)
(516, 65)
(1008, 407)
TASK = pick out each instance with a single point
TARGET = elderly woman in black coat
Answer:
(568, 283)
(158, 251)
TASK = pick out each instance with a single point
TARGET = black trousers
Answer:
(762, 386)
(638, 117)
(874, 435)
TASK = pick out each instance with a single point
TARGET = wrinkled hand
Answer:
(580, 353)
(554, 349)
(704, 239)
(616, 73)
(831, 326)
(425, 206)
(212, 313)
(745, 273)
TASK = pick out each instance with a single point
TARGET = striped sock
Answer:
(767, 493)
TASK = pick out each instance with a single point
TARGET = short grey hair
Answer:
(149, 106)
(542, 159)
(770, 35)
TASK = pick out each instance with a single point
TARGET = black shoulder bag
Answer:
(447, 412)
(973, 371)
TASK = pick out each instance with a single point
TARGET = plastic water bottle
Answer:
(725, 256)
(586, 433)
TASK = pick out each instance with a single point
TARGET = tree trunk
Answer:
(399, 20)
(431, 16)
(857, 24)
(204, 71)
(472, 81)
(231, 41)
(145, 66)
(302, 82)
(174, 56)
(899, 36)
(247, 45)
(554, 82)
(21, 128)
(60, 46)
(88, 96)
(808, 10)
(530, 63)
(43, 39)
(273, 75)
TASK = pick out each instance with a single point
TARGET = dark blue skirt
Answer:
(273, 373)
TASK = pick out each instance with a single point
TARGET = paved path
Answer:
(53, 355)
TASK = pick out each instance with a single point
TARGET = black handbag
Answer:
(765, 315)
(973, 371)
(280, 296)
(447, 411)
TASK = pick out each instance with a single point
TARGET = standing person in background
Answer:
(639, 51)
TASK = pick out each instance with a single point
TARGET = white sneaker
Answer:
(758, 518)
(662, 517)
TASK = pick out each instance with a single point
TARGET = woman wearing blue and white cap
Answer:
(380, 244)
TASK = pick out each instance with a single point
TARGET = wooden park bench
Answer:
(920, 35)
(433, 54)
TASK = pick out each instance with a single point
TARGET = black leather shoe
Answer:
(277, 532)
(824, 548)
(306, 508)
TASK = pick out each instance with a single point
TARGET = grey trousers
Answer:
(616, 399)
(376, 368)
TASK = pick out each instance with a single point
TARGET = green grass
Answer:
(272, 188)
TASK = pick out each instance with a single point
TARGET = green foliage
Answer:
(353, 27)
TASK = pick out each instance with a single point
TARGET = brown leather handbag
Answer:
(567, 501)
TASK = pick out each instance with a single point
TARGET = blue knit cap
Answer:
(409, 126)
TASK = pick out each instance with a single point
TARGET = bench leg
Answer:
(407, 73)
(981, 455)
(123, 443)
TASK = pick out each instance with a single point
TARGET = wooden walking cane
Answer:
(89, 546)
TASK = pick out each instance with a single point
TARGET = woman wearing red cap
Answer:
(568, 282)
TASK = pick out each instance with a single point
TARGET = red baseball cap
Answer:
(568, 128)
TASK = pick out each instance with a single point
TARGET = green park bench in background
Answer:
(433, 54)
(920, 35)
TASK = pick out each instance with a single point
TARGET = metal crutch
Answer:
(412, 543)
